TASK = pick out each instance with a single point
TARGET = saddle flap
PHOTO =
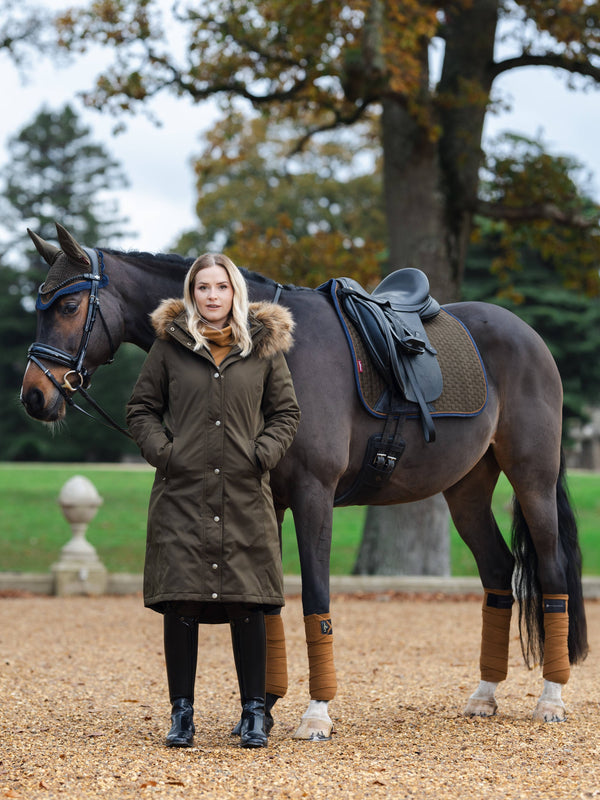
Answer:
(397, 344)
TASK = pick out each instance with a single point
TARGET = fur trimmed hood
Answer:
(271, 326)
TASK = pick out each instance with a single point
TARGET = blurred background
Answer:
(307, 140)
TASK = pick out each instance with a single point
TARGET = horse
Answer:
(517, 432)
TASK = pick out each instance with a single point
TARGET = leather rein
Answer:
(77, 378)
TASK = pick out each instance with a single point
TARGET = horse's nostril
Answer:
(33, 402)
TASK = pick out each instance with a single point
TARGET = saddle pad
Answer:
(465, 382)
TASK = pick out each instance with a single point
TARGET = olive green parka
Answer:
(213, 433)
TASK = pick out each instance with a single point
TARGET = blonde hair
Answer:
(239, 309)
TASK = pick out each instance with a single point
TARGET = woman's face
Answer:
(213, 294)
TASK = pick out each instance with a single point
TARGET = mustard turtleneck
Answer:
(220, 342)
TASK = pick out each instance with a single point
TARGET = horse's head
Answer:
(68, 346)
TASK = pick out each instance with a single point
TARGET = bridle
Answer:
(77, 378)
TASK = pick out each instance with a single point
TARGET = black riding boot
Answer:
(181, 654)
(270, 699)
(249, 648)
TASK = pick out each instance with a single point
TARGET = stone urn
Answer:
(79, 570)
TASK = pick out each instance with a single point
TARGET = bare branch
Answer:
(339, 120)
(179, 82)
(545, 211)
(554, 60)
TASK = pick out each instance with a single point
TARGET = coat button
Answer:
(218, 422)
(214, 595)
(217, 519)
(217, 471)
(217, 375)
(215, 566)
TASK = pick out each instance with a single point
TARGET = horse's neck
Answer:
(260, 290)
(140, 292)
(141, 287)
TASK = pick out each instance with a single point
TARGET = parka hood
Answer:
(271, 325)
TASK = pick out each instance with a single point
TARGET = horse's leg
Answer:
(470, 503)
(538, 512)
(548, 561)
(276, 673)
(550, 707)
(312, 507)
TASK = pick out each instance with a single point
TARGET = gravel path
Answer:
(85, 710)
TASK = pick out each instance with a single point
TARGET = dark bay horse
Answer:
(518, 432)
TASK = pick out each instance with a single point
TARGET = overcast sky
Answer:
(160, 200)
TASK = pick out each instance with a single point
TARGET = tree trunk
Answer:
(430, 189)
(411, 539)
(414, 201)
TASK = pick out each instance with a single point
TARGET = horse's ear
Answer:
(70, 248)
(47, 251)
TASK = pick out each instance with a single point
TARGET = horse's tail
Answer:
(527, 585)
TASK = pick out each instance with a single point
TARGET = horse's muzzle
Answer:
(39, 407)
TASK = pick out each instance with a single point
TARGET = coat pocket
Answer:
(253, 457)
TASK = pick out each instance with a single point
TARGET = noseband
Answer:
(77, 378)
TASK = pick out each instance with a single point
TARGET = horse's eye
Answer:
(70, 308)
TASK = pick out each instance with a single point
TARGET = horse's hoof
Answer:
(478, 707)
(314, 730)
(549, 712)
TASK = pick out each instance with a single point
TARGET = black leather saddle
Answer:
(390, 322)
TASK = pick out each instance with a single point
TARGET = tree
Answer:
(56, 172)
(544, 270)
(299, 221)
(542, 203)
(24, 29)
(329, 65)
(565, 317)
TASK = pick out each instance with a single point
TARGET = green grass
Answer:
(33, 529)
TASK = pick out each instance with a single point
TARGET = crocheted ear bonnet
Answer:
(70, 267)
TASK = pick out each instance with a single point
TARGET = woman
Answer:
(213, 411)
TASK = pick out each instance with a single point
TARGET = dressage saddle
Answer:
(390, 322)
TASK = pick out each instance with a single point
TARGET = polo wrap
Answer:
(277, 675)
(495, 634)
(319, 643)
(556, 633)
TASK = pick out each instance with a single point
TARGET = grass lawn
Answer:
(33, 529)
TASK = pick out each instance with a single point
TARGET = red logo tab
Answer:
(359, 364)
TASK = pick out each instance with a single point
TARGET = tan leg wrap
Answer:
(556, 630)
(277, 675)
(319, 643)
(495, 633)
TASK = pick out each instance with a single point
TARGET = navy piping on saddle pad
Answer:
(356, 365)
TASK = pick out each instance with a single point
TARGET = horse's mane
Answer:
(256, 277)
(154, 262)
(172, 262)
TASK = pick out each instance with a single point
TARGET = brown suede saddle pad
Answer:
(465, 387)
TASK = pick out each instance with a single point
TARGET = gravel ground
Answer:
(85, 709)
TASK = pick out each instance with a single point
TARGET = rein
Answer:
(77, 379)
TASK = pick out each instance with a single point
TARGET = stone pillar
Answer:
(78, 569)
